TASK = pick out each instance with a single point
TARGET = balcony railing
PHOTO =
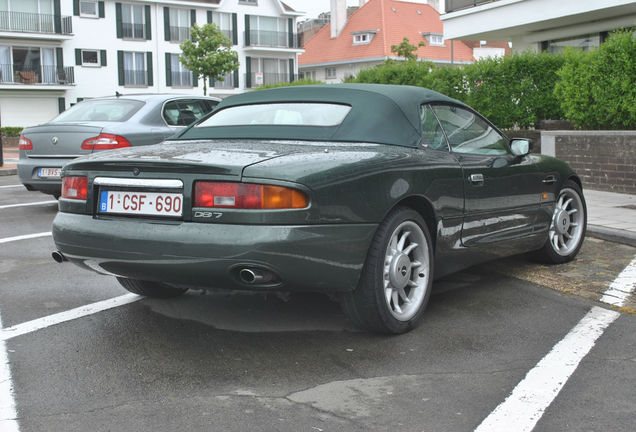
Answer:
(135, 77)
(181, 79)
(256, 79)
(259, 38)
(27, 74)
(225, 84)
(35, 23)
(132, 31)
(179, 34)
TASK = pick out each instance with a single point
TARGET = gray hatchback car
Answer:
(102, 124)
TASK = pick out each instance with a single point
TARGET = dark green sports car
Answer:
(362, 191)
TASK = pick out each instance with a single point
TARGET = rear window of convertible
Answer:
(288, 114)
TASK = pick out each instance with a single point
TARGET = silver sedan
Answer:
(102, 124)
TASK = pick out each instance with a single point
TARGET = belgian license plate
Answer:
(49, 172)
(141, 203)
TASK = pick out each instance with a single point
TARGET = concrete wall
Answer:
(605, 160)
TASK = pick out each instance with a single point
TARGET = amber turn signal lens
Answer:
(247, 196)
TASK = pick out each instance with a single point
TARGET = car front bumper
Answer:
(322, 258)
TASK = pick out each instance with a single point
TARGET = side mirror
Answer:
(520, 146)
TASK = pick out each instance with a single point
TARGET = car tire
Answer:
(567, 228)
(150, 289)
(396, 280)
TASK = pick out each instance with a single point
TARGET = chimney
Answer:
(338, 17)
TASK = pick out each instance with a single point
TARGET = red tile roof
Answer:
(393, 20)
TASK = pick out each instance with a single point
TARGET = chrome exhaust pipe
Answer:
(252, 276)
(58, 257)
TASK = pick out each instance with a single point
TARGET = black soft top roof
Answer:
(386, 114)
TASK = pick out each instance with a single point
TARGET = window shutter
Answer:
(195, 80)
(166, 23)
(236, 78)
(78, 57)
(118, 20)
(57, 16)
(120, 68)
(102, 57)
(168, 70)
(209, 14)
(61, 104)
(149, 68)
(247, 30)
(234, 29)
(290, 29)
(193, 16)
(101, 9)
(248, 72)
(76, 7)
(59, 58)
(148, 23)
(291, 70)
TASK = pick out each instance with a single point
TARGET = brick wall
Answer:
(605, 160)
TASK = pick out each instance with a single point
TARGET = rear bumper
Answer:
(28, 174)
(323, 258)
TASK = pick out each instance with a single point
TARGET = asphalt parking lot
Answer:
(496, 341)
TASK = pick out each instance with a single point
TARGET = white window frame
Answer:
(362, 38)
(99, 60)
(249, 2)
(88, 15)
(137, 70)
(127, 11)
(181, 69)
(223, 21)
(329, 75)
(177, 15)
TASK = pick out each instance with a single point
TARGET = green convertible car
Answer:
(365, 192)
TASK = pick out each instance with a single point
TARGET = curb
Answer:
(8, 171)
(612, 234)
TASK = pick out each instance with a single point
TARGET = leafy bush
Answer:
(11, 131)
(304, 81)
(597, 89)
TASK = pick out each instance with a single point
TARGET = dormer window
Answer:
(434, 39)
(363, 37)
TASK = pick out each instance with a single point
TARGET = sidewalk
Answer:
(9, 159)
(611, 216)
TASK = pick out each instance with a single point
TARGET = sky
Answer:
(313, 8)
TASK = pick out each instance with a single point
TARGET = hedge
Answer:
(304, 81)
(595, 89)
(11, 131)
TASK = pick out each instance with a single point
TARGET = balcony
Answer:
(181, 78)
(135, 78)
(455, 5)
(257, 79)
(36, 75)
(133, 31)
(270, 39)
(228, 83)
(35, 23)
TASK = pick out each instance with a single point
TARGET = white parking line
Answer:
(11, 186)
(533, 395)
(24, 237)
(28, 204)
(622, 287)
(8, 414)
(51, 320)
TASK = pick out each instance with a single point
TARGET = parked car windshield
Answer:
(289, 114)
(111, 110)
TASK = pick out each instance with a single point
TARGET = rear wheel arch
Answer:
(576, 180)
(424, 207)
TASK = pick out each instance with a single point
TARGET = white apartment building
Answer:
(54, 53)
(538, 25)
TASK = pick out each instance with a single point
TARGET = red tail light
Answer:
(25, 143)
(247, 196)
(105, 142)
(75, 188)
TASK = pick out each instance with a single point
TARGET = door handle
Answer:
(549, 179)
(476, 178)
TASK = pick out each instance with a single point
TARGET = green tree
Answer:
(208, 54)
(406, 50)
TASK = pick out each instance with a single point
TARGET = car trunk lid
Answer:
(60, 140)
